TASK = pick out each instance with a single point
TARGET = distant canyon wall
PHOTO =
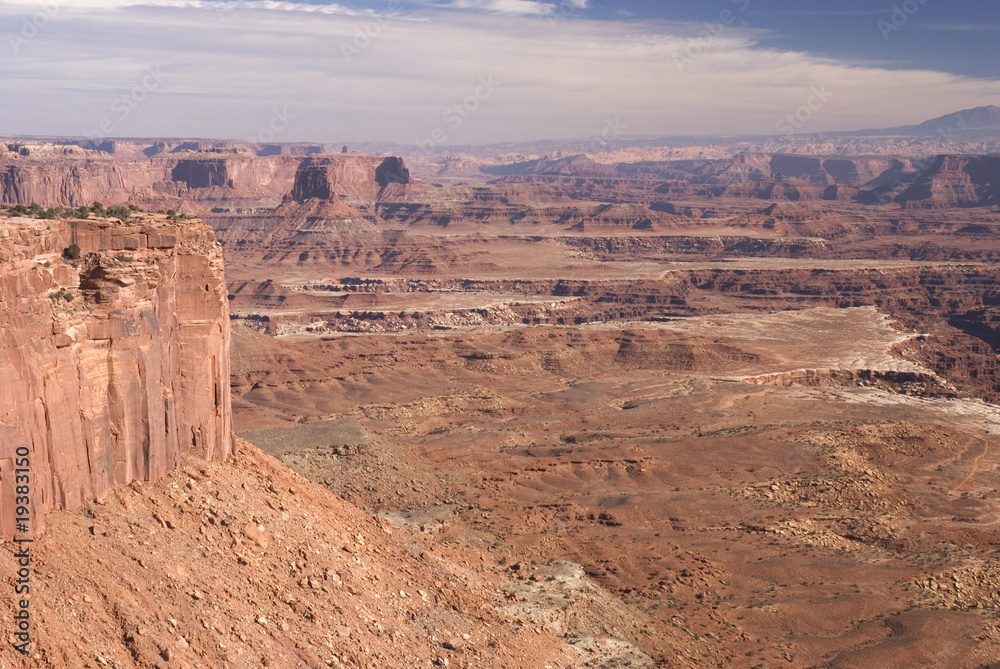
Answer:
(941, 181)
(197, 182)
(230, 181)
(113, 364)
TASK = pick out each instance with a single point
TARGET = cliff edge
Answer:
(206, 182)
(113, 363)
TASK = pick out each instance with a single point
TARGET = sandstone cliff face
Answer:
(963, 181)
(356, 179)
(220, 181)
(114, 365)
(870, 180)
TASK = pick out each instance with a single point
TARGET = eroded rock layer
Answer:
(113, 364)
(220, 180)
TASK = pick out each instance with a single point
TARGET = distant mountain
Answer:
(978, 121)
(980, 118)
(970, 131)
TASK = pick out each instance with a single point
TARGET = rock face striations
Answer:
(113, 364)
(353, 178)
(956, 181)
(202, 182)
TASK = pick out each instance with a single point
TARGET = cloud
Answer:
(347, 75)
(825, 12)
(510, 7)
(961, 27)
(59, 6)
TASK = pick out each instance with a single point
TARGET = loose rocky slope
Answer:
(243, 565)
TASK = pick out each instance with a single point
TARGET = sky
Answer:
(435, 73)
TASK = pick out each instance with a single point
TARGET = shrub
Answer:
(72, 252)
(121, 213)
(61, 294)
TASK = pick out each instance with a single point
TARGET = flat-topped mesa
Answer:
(215, 180)
(314, 180)
(113, 364)
(348, 177)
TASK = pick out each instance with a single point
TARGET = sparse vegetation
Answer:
(122, 212)
(61, 294)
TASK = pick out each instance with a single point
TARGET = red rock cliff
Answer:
(963, 181)
(195, 181)
(111, 365)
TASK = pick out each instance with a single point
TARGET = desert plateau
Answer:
(628, 415)
(609, 337)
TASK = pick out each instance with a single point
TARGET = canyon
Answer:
(604, 410)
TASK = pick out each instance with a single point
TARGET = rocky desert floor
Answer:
(740, 501)
(641, 415)
(754, 458)
(245, 564)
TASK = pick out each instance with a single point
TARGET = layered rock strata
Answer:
(220, 181)
(113, 364)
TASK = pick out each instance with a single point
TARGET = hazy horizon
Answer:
(438, 73)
